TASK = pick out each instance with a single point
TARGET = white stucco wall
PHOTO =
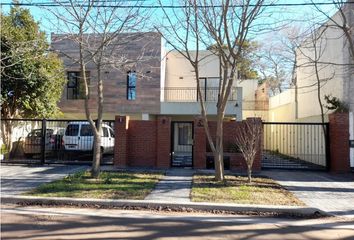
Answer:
(336, 77)
(180, 74)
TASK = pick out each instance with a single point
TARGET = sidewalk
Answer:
(174, 187)
(333, 194)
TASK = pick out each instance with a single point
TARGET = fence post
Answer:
(328, 147)
(43, 142)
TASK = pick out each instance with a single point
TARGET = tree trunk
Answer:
(249, 173)
(96, 161)
(218, 154)
(6, 135)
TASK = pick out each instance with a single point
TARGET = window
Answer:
(131, 86)
(111, 132)
(72, 130)
(76, 86)
(105, 132)
(86, 131)
(185, 135)
(210, 88)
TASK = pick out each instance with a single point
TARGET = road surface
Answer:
(82, 223)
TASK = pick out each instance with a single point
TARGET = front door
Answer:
(182, 144)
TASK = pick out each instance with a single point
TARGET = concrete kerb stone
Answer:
(199, 206)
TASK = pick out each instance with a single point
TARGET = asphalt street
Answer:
(83, 223)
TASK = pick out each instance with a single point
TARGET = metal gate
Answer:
(49, 141)
(182, 144)
(295, 145)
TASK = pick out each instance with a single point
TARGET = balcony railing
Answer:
(180, 94)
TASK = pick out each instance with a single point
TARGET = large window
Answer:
(209, 88)
(75, 86)
(131, 85)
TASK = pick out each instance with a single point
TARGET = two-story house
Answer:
(158, 83)
(154, 83)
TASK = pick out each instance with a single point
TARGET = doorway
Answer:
(182, 144)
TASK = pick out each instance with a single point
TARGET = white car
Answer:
(78, 136)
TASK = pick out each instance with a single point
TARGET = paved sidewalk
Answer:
(174, 187)
(16, 179)
(331, 193)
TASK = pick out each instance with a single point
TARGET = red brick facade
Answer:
(121, 132)
(199, 147)
(142, 143)
(163, 142)
(148, 144)
(339, 142)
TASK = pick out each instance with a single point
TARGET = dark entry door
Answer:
(182, 144)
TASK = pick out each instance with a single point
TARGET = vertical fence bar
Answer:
(43, 142)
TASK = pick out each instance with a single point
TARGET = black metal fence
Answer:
(296, 146)
(45, 141)
(190, 94)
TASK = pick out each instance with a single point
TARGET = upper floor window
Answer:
(76, 86)
(131, 85)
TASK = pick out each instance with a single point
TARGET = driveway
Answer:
(16, 179)
(331, 193)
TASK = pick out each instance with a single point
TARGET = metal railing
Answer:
(183, 94)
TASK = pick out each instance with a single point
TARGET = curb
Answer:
(187, 206)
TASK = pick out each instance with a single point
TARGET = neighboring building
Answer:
(335, 70)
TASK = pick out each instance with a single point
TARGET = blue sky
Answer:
(294, 14)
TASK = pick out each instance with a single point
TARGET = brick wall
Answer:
(148, 144)
(237, 161)
(142, 143)
(339, 142)
(121, 126)
(163, 140)
(199, 148)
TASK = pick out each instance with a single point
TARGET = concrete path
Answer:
(331, 193)
(16, 179)
(174, 187)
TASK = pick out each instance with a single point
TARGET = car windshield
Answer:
(72, 130)
(86, 130)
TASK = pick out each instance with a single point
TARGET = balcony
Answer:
(180, 94)
(184, 101)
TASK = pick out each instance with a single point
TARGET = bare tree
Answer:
(277, 58)
(97, 28)
(248, 140)
(224, 25)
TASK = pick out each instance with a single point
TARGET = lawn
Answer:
(236, 190)
(109, 185)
